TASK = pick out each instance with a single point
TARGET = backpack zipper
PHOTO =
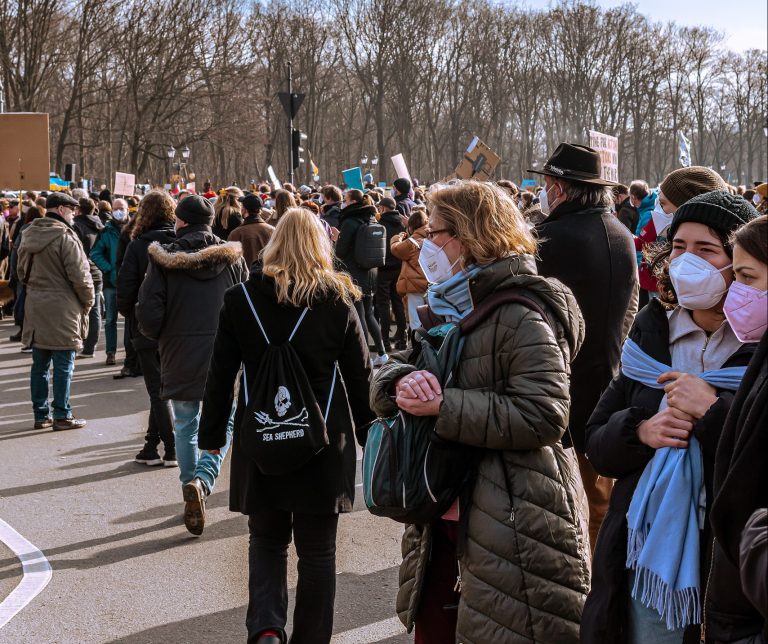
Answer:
(457, 585)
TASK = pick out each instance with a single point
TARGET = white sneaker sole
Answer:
(152, 462)
(170, 463)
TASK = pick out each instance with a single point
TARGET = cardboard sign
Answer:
(400, 168)
(608, 147)
(273, 178)
(125, 184)
(24, 161)
(478, 163)
(353, 178)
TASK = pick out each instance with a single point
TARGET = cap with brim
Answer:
(251, 202)
(577, 163)
(60, 199)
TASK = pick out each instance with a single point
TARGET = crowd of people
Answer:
(611, 412)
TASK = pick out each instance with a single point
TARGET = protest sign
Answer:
(353, 177)
(685, 150)
(479, 162)
(382, 184)
(273, 178)
(608, 147)
(125, 184)
(25, 151)
(528, 183)
(400, 168)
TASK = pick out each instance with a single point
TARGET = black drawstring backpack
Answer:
(283, 426)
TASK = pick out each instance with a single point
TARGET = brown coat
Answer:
(253, 234)
(58, 285)
(407, 249)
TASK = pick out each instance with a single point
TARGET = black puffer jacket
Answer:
(525, 569)
(179, 303)
(352, 219)
(131, 275)
(331, 215)
(391, 222)
(614, 450)
(87, 228)
(329, 333)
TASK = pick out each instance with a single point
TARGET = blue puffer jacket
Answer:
(104, 253)
(644, 216)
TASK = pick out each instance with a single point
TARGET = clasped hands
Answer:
(688, 399)
(419, 393)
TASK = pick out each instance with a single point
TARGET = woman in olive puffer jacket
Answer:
(524, 561)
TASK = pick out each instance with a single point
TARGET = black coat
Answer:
(179, 302)
(615, 451)
(391, 222)
(131, 275)
(330, 332)
(331, 215)
(233, 222)
(354, 217)
(88, 228)
(404, 205)
(592, 254)
(627, 214)
(740, 488)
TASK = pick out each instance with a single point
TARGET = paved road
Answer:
(124, 567)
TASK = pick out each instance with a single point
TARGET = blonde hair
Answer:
(227, 205)
(484, 218)
(299, 257)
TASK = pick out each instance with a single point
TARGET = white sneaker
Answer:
(172, 462)
(379, 361)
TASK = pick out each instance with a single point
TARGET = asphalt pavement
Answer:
(124, 567)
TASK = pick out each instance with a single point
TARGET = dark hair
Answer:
(155, 207)
(527, 199)
(331, 192)
(753, 238)
(510, 187)
(87, 206)
(657, 257)
(587, 194)
(639, 189)
(356, 195)
(417, 220)
(34, 212)
(620, 189)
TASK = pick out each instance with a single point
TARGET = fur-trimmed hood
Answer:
(202, 263)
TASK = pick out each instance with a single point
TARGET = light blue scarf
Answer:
(667, 508)
(451, 299)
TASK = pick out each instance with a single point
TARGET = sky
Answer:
(744, 22)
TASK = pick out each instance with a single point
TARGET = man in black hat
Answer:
(178, 306)
(403, 201)
(53, 268)
(254, 232)
(590, 251)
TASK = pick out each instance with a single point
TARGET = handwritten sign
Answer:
(608, 147)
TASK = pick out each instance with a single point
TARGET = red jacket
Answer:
(647, 236)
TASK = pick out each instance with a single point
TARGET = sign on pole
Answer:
(273, 178)
(353, 177)
(125, 184)
(400, 168)
(478, 161)
(25, 151)
(608, 147)
(291, 102)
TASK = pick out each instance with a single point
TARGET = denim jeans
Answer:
(110, 318)
(315, 537)
(645, 624)
(39, 377)
(192, 463)
(94, 324)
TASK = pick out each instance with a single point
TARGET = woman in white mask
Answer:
(678, 187)
(508, 396)
(656, 430)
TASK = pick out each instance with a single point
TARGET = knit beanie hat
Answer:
(685, 183)
(402, 185)
(195, 209)
(720, 210)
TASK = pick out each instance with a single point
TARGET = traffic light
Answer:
(297, 142)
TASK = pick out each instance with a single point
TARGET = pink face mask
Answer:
(746, 309)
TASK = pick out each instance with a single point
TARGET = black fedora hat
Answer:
(577, 163)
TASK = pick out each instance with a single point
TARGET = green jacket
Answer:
(525, 565)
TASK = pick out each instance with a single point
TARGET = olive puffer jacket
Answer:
(525, 559)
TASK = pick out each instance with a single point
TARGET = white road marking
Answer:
(36, 573)
(376, 632)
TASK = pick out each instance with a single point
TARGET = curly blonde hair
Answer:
(484, 218)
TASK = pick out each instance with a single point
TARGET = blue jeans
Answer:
(110, 318)
(646, 625)
(192, 463)
(94, 324)
(39, 377)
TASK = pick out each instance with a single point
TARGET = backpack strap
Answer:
(253, 310)
(494, 301)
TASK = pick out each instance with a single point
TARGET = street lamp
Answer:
(185, 152)
(170, 152)
(183, 158)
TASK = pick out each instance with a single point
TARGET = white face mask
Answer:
(756, 198)
(661, 220)
(435, 263)
(544, 201)
(697, 283)
(119, 215)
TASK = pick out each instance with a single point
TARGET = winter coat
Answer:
(647, 236)
(524, 563)
(740, 488)
(88, 229)
(253, 234)
(131, 275)
(645, 210)
(407, 248)
(330, 332)
(592, 254)
(233, 223)
(394, 227)
(353, 218)
(614, 450)
(104, 253)
(179, 302)
(627, 214)
(404, 205)
(331, 215)
(59, 288)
